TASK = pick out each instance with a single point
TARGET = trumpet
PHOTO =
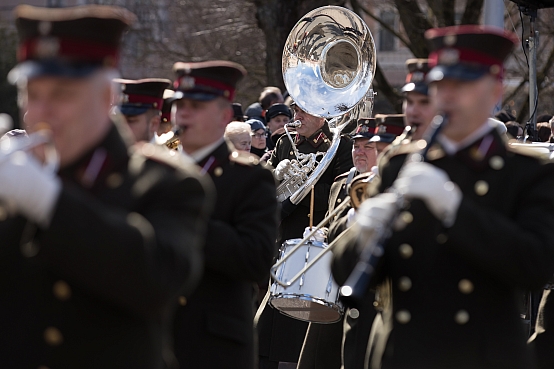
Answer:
(10, 146)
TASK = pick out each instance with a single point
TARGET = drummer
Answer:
(280, 337)
(324, 342)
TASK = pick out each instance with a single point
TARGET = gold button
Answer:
(3, 213)
(53, 336)
(61, 290)
(481, 188)
(182, 300)
(403, 316)
(461, 317)
(406, 217)
(406, 251)
(235, 154)
(292, 153)
(218, 172)
(30, 249)
(354, 313)
(114, 180)
(496, 162)
(404, 284)
(442, 238)
(339, 200)
(465, 286)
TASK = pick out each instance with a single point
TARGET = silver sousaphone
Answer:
(328, 67)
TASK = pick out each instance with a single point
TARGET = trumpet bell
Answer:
(329, 61)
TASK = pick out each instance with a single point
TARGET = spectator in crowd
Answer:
(543, 131)
(276, 117)
(269, 96)
(505, 116)
(238, 115)
(259, 135)
(239, 133)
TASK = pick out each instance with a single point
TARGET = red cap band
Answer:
(155, 102)
(464, 56)
(393, 129)
(51, 47)
(208, 85)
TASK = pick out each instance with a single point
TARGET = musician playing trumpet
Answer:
(467, 233)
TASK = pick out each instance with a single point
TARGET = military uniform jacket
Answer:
(95, 288)
(214, 327)
(456, 291)
(281, 337)
(293, 225)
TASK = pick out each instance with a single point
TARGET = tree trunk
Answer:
(276, 18)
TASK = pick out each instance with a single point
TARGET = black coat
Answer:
(281, 337)
(95, 288)
(456, 292)
(214, 329)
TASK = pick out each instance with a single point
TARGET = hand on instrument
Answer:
(350, 217)
(281, 169)
(376, 211)
(28, 187)
(432, 185)
(320, 235)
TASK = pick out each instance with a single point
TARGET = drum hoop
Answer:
(332, 305)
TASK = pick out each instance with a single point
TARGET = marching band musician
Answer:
(324, 345)
(470, 235)
(92, 255)
(417, 106)
(214, 327)
(141, 105)
(281, 337)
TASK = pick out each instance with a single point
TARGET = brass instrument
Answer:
(173, 141)
(328, 66)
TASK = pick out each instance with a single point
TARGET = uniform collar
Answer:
(319, 137)
(201, 154)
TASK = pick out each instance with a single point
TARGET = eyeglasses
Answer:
(259, 135)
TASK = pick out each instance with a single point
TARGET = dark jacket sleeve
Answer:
(244, 250)
(138, 260)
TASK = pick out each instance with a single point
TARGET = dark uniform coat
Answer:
(214, 327)
(456, 291)
(281, 337)
(328, 346)
(94, 289)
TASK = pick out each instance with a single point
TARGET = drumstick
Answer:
(312, 209)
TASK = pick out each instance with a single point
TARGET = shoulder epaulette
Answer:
(538, 151)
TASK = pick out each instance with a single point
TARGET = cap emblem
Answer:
(382, 129)
(417, 77)
(187, 83)
(47, 47)
(124, 98)
(450, 40)
(44, 28)
(449, 56)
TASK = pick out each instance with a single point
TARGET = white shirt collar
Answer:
(200, 154)
(451, 147)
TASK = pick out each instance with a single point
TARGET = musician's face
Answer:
(75, 109)
(419, 112)
(310, 123)
(202, 122)
(144, 125)
(364, 154)
(467, 104)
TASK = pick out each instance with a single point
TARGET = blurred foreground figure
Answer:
(92, 255)
(214, 327)
(471, 233)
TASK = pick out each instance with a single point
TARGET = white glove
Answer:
(350, 217)
(320, 235)
(29, 188)
(281, 169)
(376, 211)
(432, 185)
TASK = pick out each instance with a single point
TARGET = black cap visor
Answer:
(419, 87)
(193, 95)
(50, 67)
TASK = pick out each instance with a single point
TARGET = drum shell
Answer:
(314, 296)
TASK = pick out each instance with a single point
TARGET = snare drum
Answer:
(314, 296)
